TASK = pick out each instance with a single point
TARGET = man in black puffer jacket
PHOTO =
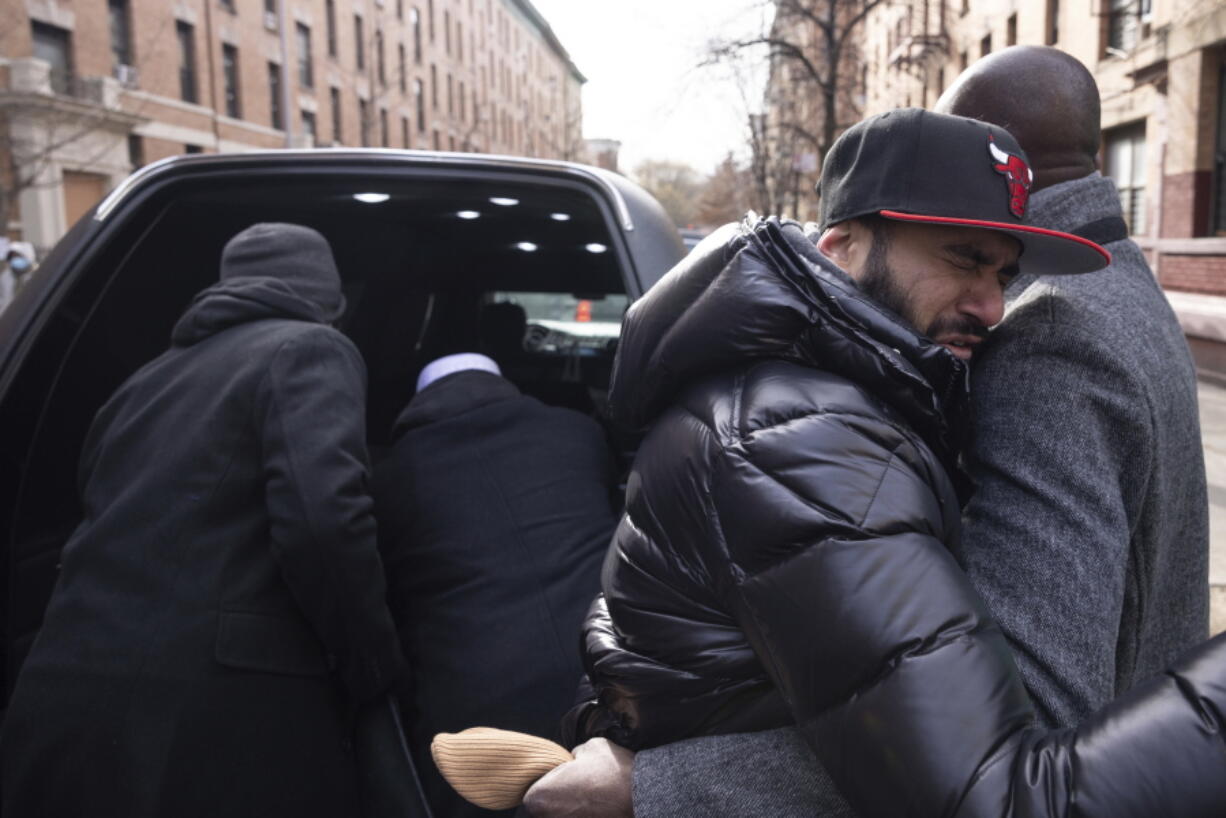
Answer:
(785, 551)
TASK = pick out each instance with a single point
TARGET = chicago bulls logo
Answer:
(1017, 176)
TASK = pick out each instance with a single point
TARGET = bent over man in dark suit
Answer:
(220, 610)
(494, 515)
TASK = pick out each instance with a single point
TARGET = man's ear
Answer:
(836, 244)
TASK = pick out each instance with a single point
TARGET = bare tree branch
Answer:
(810, 49)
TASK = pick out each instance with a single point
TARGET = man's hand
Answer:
(597, 784)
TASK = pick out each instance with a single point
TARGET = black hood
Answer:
(269, 270)
(760, 289)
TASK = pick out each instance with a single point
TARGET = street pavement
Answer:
(1213, 432)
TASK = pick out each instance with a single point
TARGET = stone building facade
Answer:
(91, 89)
(1161, 70)
(1160, 67)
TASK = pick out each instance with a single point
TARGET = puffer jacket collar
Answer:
(240, 301)
(760, 289)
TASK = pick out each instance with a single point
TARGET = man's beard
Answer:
(880, 283)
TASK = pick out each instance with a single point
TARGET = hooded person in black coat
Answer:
(220, 609)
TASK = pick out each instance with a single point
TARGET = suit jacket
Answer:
(494, 515)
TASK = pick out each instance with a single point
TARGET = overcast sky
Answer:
(643, 88)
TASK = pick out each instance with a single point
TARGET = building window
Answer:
(270, 7)
(330, 23)
(379, 61)
(308, 126)
(334, 95)
(430, 18)
(985, 46)
(228, 5)
(459, 41)
(400, 9)
(136, 151)
(1053, 22)
(404, 131)
(415, 21)
(187, 61)
(436, 142)
(434, 87)
(1121, 26)
(419, 103)
(1124, 152)
(359, 43)
(364, 122)
(54, 46)
(229, 70)
(121, 33)
(404, 70)
(274, 96)
(450, 97)
(190, 148)
(384, 138)
(306, 77)
(1011, 30)
(1219, 159)
(463, 116)
(447, 32)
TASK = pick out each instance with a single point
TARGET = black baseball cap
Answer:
(914, 165)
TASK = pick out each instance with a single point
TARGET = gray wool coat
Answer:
(1088, 533)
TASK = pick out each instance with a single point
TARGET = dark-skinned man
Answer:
(1088, 533)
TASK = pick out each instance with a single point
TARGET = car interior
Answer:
(422, 260)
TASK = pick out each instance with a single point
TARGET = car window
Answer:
(590, 320)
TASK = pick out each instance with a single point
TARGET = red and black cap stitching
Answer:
(918, 166)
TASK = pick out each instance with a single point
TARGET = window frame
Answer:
(276, 116)
(189, 86)
(1133, 197)
(306, 71)
(122, 53)
(231, 80)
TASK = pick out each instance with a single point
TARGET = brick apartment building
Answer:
(1161, 71)
(91, 89)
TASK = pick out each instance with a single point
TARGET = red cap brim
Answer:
(1045, 252)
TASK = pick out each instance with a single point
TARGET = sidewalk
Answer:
(1213, 432)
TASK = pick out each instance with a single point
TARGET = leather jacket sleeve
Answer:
(906, 688)
(322, 527)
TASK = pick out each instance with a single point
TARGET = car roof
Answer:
(654, 243)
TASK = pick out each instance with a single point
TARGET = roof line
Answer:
(604, 179)
(551, 39)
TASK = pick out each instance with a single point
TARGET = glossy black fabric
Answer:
(786, 541)
(494, 515)
(221, 605)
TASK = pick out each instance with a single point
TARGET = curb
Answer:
(1217, 609)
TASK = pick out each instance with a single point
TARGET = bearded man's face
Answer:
(946, 281)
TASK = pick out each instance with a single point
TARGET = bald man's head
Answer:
(1044, 97)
